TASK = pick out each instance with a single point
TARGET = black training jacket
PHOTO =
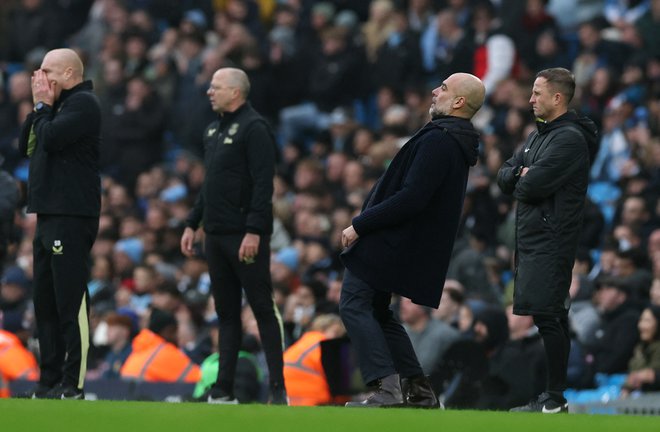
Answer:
(237, 195)
(64, 168)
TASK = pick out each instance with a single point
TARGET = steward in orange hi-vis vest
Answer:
(155, 360)
(16, 362)
(304, 377)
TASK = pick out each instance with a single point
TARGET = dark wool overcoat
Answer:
(408, 223)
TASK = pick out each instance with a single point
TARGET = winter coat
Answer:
(409, 220)
(551, 199)
(616, 339)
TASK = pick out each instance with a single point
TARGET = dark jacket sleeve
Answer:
(563, 157)
(261, 163)
(426, 173)
(196, 213)
(506, 176)
(79, 116)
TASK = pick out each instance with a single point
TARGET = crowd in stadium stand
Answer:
(344, 84)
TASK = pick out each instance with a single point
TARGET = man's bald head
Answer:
(460, 95)
(68, 58)
(228, 90)
(474, 91)
(63, 68)
(233, 77)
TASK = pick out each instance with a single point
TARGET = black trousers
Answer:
(557, 342)
(381, 343)
(229, 278)
(61, 270)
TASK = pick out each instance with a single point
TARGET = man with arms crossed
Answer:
(548, 177)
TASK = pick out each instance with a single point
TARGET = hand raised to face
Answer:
(41, 88)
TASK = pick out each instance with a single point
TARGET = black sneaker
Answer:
(544, 404)
(218, 396)
(65, 392)
(38, 392)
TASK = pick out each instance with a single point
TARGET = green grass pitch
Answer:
(98, 416)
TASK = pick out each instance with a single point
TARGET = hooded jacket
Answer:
(408, 223)
(551, 199)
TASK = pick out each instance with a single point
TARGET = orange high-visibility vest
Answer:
(304, 377)
(156, 360)
(16, 362)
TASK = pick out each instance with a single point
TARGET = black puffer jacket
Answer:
(551, 199)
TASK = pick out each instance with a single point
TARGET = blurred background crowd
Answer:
(344, 84)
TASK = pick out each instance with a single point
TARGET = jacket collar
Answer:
(83, 86)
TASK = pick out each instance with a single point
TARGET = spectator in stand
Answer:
(598, 51)
(9, 196)
(16, 361)
(306, 382)
(517, 369)
(647, 27)
(631, 267)
(430, 338)
(378, 27)
(332, 84)
(155, 356)
(286, 68)
(453, 296)
(644, 366)
(249, 375)
(495, 52)
(597, 94)
(419, 14)
(617, 336)
(445, 46)
(32, 24)
(121, 327)
(620, 13)
(551, 51)
(534, 22)
(139, 131)
(397, 61)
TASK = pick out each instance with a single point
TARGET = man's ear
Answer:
(558, 98)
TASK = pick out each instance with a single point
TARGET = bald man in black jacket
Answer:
(402, 241)
(61, 138)
(235, 208)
